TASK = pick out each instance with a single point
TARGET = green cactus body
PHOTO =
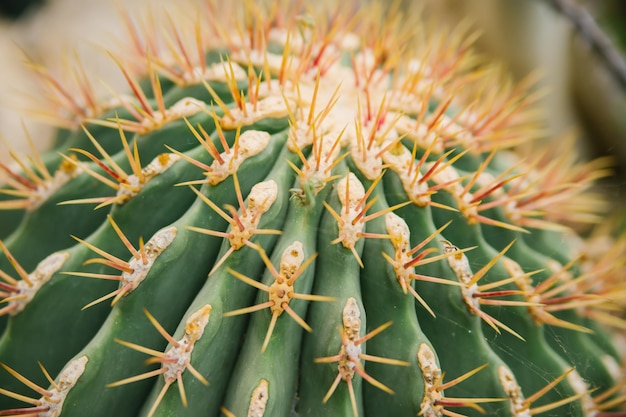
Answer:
(385, 301)
(341, 270)
(333, 219)
(465, 330)
(67, 335)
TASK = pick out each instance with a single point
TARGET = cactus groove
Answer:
(303, 210)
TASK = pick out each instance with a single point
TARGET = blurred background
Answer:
(575, 44)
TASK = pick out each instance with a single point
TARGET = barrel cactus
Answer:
(305, 210)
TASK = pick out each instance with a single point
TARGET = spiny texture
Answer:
(309, 212)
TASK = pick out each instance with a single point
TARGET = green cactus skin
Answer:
(79, 219)
(226, 294)
(465, 330)
(67, 335)
(342, 271)
(384, 300)
(345, 220)
(203, 255)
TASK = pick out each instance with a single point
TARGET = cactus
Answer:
(307, 211)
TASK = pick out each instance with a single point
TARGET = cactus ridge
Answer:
(306, 211)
